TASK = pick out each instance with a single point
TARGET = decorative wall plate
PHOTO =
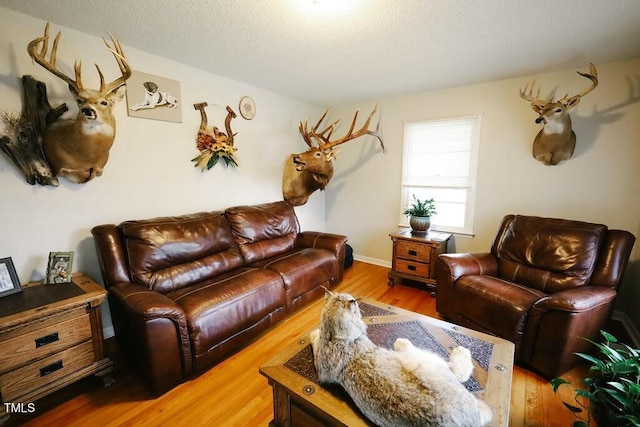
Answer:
(247, 107)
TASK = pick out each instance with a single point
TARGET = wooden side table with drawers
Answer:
(415, 255)
(50, 336)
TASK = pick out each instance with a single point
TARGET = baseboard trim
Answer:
(628, 326)
(374, 261)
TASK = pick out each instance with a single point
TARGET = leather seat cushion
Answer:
(234, 302)
(496, 305)
(302, 269)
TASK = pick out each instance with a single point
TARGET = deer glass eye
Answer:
(558, 110)
(79, 101)
(317, 155)
(105, 103)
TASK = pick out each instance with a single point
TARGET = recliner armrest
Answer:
(335, 243)
(583, 298)
(465, 264)
(146, 303)
(313, 239)
(156, 327)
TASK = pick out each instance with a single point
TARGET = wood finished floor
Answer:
(233, 393)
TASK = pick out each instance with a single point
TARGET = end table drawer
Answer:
(413, 251)
(412, 267)
(23, 349)
(28, 378)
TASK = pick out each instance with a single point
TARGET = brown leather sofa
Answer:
(545, 283)
(187, 291)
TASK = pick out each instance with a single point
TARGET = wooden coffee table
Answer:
(299, 399)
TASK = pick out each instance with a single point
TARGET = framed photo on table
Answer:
(9, 283)
(59, 268)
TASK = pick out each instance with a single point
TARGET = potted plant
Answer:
(420, 213)
(612, 386)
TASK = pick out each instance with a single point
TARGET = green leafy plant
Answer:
(421, 207)
(612, 386)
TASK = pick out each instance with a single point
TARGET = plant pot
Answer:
(420, 224)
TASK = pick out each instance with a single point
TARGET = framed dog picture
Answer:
(9, 283)
(153, 97)
(59, 268)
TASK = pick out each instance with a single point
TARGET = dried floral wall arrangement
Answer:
(213, 144)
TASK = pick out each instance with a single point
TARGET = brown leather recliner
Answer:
(545, 283)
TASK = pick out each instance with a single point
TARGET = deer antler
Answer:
(37, 49)
(527, 94)
(591, 75)
(50, 65)
(323, 138)
(118, 54)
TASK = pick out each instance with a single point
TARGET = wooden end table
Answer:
(50, 336)
(299, 399)
(415, 255)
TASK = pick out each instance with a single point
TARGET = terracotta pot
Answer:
(420, 224)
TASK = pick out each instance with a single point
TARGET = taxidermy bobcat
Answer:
(405, 387)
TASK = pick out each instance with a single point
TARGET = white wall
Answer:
(149, 172)
(601, 183)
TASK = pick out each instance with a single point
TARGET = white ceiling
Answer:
(366, 50)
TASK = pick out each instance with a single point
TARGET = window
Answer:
(440, 161)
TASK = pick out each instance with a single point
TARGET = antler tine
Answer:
(364, 130)
(591, 75)
(527, 94)
(304, 131)
(40, 56)
(125, 70)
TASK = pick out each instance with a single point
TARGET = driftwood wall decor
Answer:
(312, 170)
(213, 144)
(557, 140)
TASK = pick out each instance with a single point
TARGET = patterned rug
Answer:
(419, 334)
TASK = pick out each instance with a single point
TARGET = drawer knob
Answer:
(49, 369)
(411, 267)
(47, 339)
(413, 253)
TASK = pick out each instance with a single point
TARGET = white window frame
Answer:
(423, 184)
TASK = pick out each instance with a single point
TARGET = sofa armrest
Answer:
(156, 328)
(335, 243)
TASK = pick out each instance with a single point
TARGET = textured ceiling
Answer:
(367, 49)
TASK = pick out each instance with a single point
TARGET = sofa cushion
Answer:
(169, 253)
(548, 254)
(302, 269)
(263, 231)
(234, 302)
(495, 305)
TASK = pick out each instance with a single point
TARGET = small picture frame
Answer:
(9, 283)
(59, 268)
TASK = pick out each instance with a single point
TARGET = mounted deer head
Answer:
(556, 141)
(78, 149)
(307, 172)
